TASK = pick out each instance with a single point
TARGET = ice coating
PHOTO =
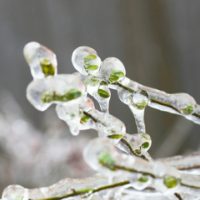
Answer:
(79, 113)
(112, 69)
(103, 157)
(137, 96)
(64, 188)
(98, 88)
(85, 60)
(42, 61)
(14, 192)
(184, 162)
(91, 158)
(73, 114)
(108, 126)
(138, 144)
(178, 103)
(59, 89)
(100, 154)
(70, 114)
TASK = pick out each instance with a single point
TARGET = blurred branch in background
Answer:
(31, 157)
(176, 137)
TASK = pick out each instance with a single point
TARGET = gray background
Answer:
(158, 41)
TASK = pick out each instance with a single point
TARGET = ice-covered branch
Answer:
(120, 173)
(112, 73)
(185, 162)
(69, 93)
(158, 179)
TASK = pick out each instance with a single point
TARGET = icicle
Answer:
(138, 103)
(73, 114)
(85, 60)
(70, 114)
(42, 61)
(98, 88)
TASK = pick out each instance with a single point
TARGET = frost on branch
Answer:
(129, 175)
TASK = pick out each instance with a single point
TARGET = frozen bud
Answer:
(112, 69)
(59, 89)
(183, 102)
(84, 112)
(167, 185)
(103, 97)
(15, 192)
(99, 154)
(42, 61)
(139, 143)
(98, 88)
(86, 60)
(140, 182)
(139, 100)
(145, 142)
(129, 87)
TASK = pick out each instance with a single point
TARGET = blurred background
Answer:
(159, 44)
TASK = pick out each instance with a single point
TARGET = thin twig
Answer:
(88, 191)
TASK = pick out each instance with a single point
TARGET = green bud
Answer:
(146, 136)
(92, 81)
(52, 96)
(73, 94)
(145, 145)
(115, 75)
(115, 136)
(103, 93)
(143, 179)
(106, 160)
(91, 68)
(170, 182)
(84, 119)
(89, 58)
(188, 110)
(137, 151)
(141, 105)
(47, 68)
(104, 83)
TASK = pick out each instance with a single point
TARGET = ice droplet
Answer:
(183, 102)
(42, 61)
(93, 155)
(70, 114)
(138, 143)
(15, 192)
(140, 182)
(86, 60)
(112, 69)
